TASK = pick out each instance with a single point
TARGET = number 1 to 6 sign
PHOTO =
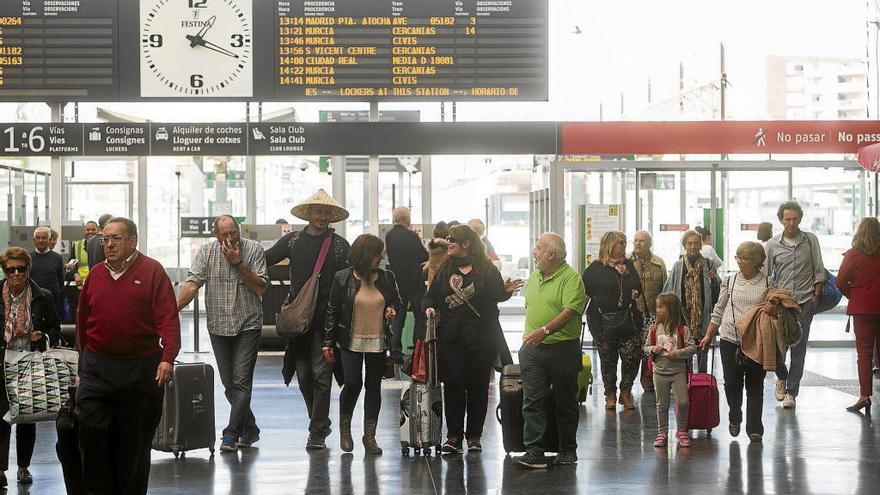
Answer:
(33, 140)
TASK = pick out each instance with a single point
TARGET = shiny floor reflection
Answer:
(818, 449)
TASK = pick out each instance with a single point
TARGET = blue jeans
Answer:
(799, 351)
(236, 358)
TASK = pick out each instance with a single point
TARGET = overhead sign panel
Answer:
(438, 50)
(59, 50)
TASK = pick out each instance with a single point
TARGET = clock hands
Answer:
(199, 39)
(207, 26)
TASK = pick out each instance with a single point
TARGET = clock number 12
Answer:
(198, 4)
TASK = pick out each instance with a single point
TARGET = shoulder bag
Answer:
(295, 318)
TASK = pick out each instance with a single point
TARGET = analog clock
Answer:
(196, 48)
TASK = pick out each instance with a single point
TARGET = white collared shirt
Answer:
(126, 264)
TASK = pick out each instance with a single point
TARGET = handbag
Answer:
(648, 320)
(830, 296)
(37, 383)
(741, 359)
(295, 318)
(619, 323)
(419, 371)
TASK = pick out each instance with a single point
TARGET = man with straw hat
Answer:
(303, 354)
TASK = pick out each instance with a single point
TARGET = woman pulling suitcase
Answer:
(464, 297)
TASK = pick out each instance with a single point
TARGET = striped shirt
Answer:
(231, 306)
(736, 297)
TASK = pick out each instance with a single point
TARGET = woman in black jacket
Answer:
(362, 299)
(612, 286)
(464, 297)
(28, 319)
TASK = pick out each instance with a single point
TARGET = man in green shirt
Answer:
(550, 357)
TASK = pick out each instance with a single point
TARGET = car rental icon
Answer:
(161, 134)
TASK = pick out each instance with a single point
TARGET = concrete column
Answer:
(56, 192)
(427, 192)
(142, 217)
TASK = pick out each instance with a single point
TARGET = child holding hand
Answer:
(670, 346)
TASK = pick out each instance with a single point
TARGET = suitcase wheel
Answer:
(709, 432)
(177, 454)
(211, 450)
(404, 451)
(438, 450)
(426, 451)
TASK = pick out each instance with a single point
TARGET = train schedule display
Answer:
(273, 50)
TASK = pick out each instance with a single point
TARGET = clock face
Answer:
(196, 48)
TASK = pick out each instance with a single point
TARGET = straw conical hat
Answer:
(321, 198)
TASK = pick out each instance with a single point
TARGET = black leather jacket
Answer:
(337, 325)
(43, 316)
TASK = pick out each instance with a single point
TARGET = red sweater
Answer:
(126, 318)
(859, 280)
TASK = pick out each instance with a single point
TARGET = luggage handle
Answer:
(498, 413)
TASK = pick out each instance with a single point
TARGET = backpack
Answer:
(652, 339)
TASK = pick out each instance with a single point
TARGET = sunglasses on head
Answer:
(12, 269)
(451, 240)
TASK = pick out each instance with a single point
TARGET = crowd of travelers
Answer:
(652, 324)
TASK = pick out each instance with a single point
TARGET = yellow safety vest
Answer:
(82, 258)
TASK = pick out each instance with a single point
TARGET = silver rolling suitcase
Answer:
(421, 405)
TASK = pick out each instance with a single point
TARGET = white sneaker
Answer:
(788, 401)
(780, 389)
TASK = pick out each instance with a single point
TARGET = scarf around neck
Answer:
(18, 312)
(618, 264)
(693, 293)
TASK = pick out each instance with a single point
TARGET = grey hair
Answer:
(648, 234)
(400, 213)
(47, 230)
(104, 220)
(130, 227)
(555, 243)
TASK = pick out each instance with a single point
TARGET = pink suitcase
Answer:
(703, 400)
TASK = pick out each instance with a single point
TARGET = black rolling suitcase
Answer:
(509, 413)
(67, 446)
(187, 411)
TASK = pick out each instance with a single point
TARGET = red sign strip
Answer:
(717, 137)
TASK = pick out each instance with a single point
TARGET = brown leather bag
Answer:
(295, 318)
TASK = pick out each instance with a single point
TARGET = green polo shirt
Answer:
(545, 299)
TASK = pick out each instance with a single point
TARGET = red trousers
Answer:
(867, 328)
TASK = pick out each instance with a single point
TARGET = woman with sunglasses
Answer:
(464, 298)
(28, 318)
(612, 287)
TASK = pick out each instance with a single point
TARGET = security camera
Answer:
(303, 166)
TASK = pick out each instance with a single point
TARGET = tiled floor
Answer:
(819, 448)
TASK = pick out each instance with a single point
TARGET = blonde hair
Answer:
(867, 237)
(753, 251)
(609, 239)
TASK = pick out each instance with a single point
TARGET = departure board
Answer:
(412, 49)
(273, 50)
(58, 49)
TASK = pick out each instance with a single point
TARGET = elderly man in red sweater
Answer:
(128, 334)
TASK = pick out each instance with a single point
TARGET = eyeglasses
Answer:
(742, 258)
(12, 269)
(114, 239)
(451, 240)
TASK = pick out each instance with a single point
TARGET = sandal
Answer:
(661, 439)
(684, 440)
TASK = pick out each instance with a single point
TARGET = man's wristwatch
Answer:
(545, 330)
